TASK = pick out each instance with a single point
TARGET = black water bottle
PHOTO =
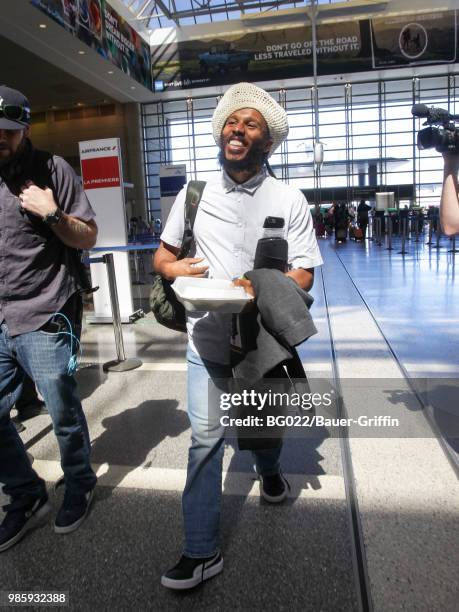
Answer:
(272, 249)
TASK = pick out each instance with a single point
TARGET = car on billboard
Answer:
(224, 61)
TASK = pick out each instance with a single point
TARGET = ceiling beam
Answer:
(223, 8)
(144, 7)
(172, 16)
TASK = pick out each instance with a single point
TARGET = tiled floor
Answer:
(381, 305)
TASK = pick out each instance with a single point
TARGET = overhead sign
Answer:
(99, 26)
(414, 39)
(172, 178)
(342, 47)
(100, 164)
(101, 170)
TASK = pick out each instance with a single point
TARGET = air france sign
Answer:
(100, 164)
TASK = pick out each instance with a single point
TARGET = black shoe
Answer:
(274, 488)
(73, 511)
(19, 426)
(20, 520)
(30, 410)
(189, 572)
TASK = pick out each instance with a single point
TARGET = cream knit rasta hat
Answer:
(246, 95)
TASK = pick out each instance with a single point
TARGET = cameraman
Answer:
(449, 202)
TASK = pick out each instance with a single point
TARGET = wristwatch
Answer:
(52, 219)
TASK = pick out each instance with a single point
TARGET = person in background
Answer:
(132, 228)
(341, 222)
(141, 225)
(362, 216)
(330, 219)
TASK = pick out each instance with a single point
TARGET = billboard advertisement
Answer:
(99, 26)
(262, 55)
(429, 38)
(342, 47)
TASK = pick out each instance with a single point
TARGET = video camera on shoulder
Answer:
(442, 133)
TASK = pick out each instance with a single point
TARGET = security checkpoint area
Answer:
(370, 514)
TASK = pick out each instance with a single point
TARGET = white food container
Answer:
(201, 294)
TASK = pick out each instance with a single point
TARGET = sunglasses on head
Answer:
(14, 112)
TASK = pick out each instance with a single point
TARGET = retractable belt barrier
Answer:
(120, 364)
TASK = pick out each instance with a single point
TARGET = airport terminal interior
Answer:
(371, 517)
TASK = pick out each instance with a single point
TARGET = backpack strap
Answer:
(193, 197)
(43, 165)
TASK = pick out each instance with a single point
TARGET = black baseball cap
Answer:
(14, 109)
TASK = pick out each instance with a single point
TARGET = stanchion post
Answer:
(437, 241)
(403, 251)
(121, 364)
(408, 228)
(371, 229)
(378, 231)
(453, 246)
(113, 290)
(389, 233)
(416, 227)
(430, 241)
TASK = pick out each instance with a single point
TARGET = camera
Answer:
(442, 133)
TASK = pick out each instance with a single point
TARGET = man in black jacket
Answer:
(45, 218)
(362, 216)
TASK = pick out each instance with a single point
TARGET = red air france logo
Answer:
(100, 172)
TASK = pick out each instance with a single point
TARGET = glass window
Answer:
(372, 125)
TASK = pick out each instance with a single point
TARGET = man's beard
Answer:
(253, 161)
(5, 161)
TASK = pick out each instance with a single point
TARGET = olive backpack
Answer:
(166, 308)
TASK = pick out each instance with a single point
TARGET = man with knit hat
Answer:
(45, 218)
(248, 125)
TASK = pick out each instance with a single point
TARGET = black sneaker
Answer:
(73, 511)
(20, 520)
(19, 426)
(274, 488)
(30, 410)
(189, 572)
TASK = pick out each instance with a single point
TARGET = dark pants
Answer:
(28, 394)
(363, 224)
(44, 356)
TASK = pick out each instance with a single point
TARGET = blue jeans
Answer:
(201, 498)
(44, 356)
